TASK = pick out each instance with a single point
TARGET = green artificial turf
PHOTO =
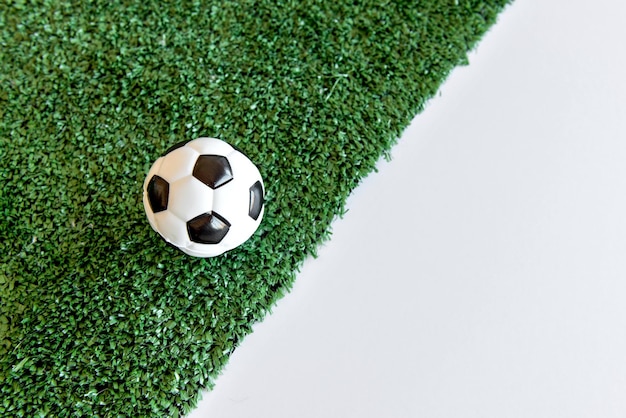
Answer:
(99, 317)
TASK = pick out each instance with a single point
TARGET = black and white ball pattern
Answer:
(204, 197)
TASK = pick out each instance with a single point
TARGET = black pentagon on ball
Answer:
(213, 170)
(175, 147)
(158, 193)
(208, 228)
(256, 200)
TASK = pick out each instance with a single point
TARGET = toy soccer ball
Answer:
(204, 197)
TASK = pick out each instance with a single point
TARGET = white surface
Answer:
(497, 285)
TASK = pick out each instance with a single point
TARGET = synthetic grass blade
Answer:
(97, 316)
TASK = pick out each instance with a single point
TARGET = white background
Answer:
(481, 273)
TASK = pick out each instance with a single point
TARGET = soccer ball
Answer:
(204, 197)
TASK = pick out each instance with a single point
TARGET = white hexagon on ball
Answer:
(204, 197)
